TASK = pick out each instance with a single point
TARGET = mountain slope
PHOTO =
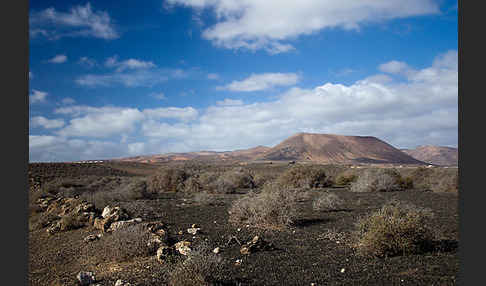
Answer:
(438, 155)
(337, 149)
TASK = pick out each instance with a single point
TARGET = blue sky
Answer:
(126, 78)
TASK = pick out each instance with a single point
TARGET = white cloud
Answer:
(186, 113)
(256, 82)
(59, 59)
(79, 21)
(395, 67)
(130, 64)
(229, 102)
(68, 101)
(134, 78)
(100, 122)
(87, 62)
(45, 148)
(421, 109)
(256, 24)
(132, 74)
(37, 96)
(40, 121)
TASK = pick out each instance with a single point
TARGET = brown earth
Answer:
(437, 155)
(308, 252)
(337, 149)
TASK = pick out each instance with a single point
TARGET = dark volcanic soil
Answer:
(304, 254)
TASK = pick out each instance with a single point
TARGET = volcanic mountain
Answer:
(337, 149)
(318, 148)
(437, 155)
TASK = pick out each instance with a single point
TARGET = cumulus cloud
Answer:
(256, 24)
(113, 62)
(79, 21)
(134, 78)
(37, 96)
(229, 102)
(100, 122)
(421, 109)
(185, 113)
(68, 101)
(256, 82)
(132, 74)
(59, 59)
(40, 121)
(87, 62)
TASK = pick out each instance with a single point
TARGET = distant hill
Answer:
(437, 155)
(337, 149)
(318, 148)
(207, 156)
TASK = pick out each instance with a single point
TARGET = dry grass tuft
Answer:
(201, 267)
(304, 177)
(395, 229)
(274, 207)
(327, 201)
(377, 180)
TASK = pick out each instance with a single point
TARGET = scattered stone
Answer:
(120, 282)
(256, 244)
(163, 252)
(343, 270)
(183, 247)
(86, 278)
(193, 230)
(91, 237)
(216, 250)
(123, 223)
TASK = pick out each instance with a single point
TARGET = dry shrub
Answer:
(303, 177)
(226, 182)
(274, 207)
(167, 180)
(123, 244)
(201, 267)
(377, 180)
(345, 178)
(436, 179)
(192, 185)
(260, 179)
(130, 189)
(327, 201)
(395, 229)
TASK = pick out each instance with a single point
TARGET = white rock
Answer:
(106, 212)
(216, 250)
(342, 270)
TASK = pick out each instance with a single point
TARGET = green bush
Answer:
(395, 229)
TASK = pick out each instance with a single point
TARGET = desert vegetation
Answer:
(397, 228)
(216, 224)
